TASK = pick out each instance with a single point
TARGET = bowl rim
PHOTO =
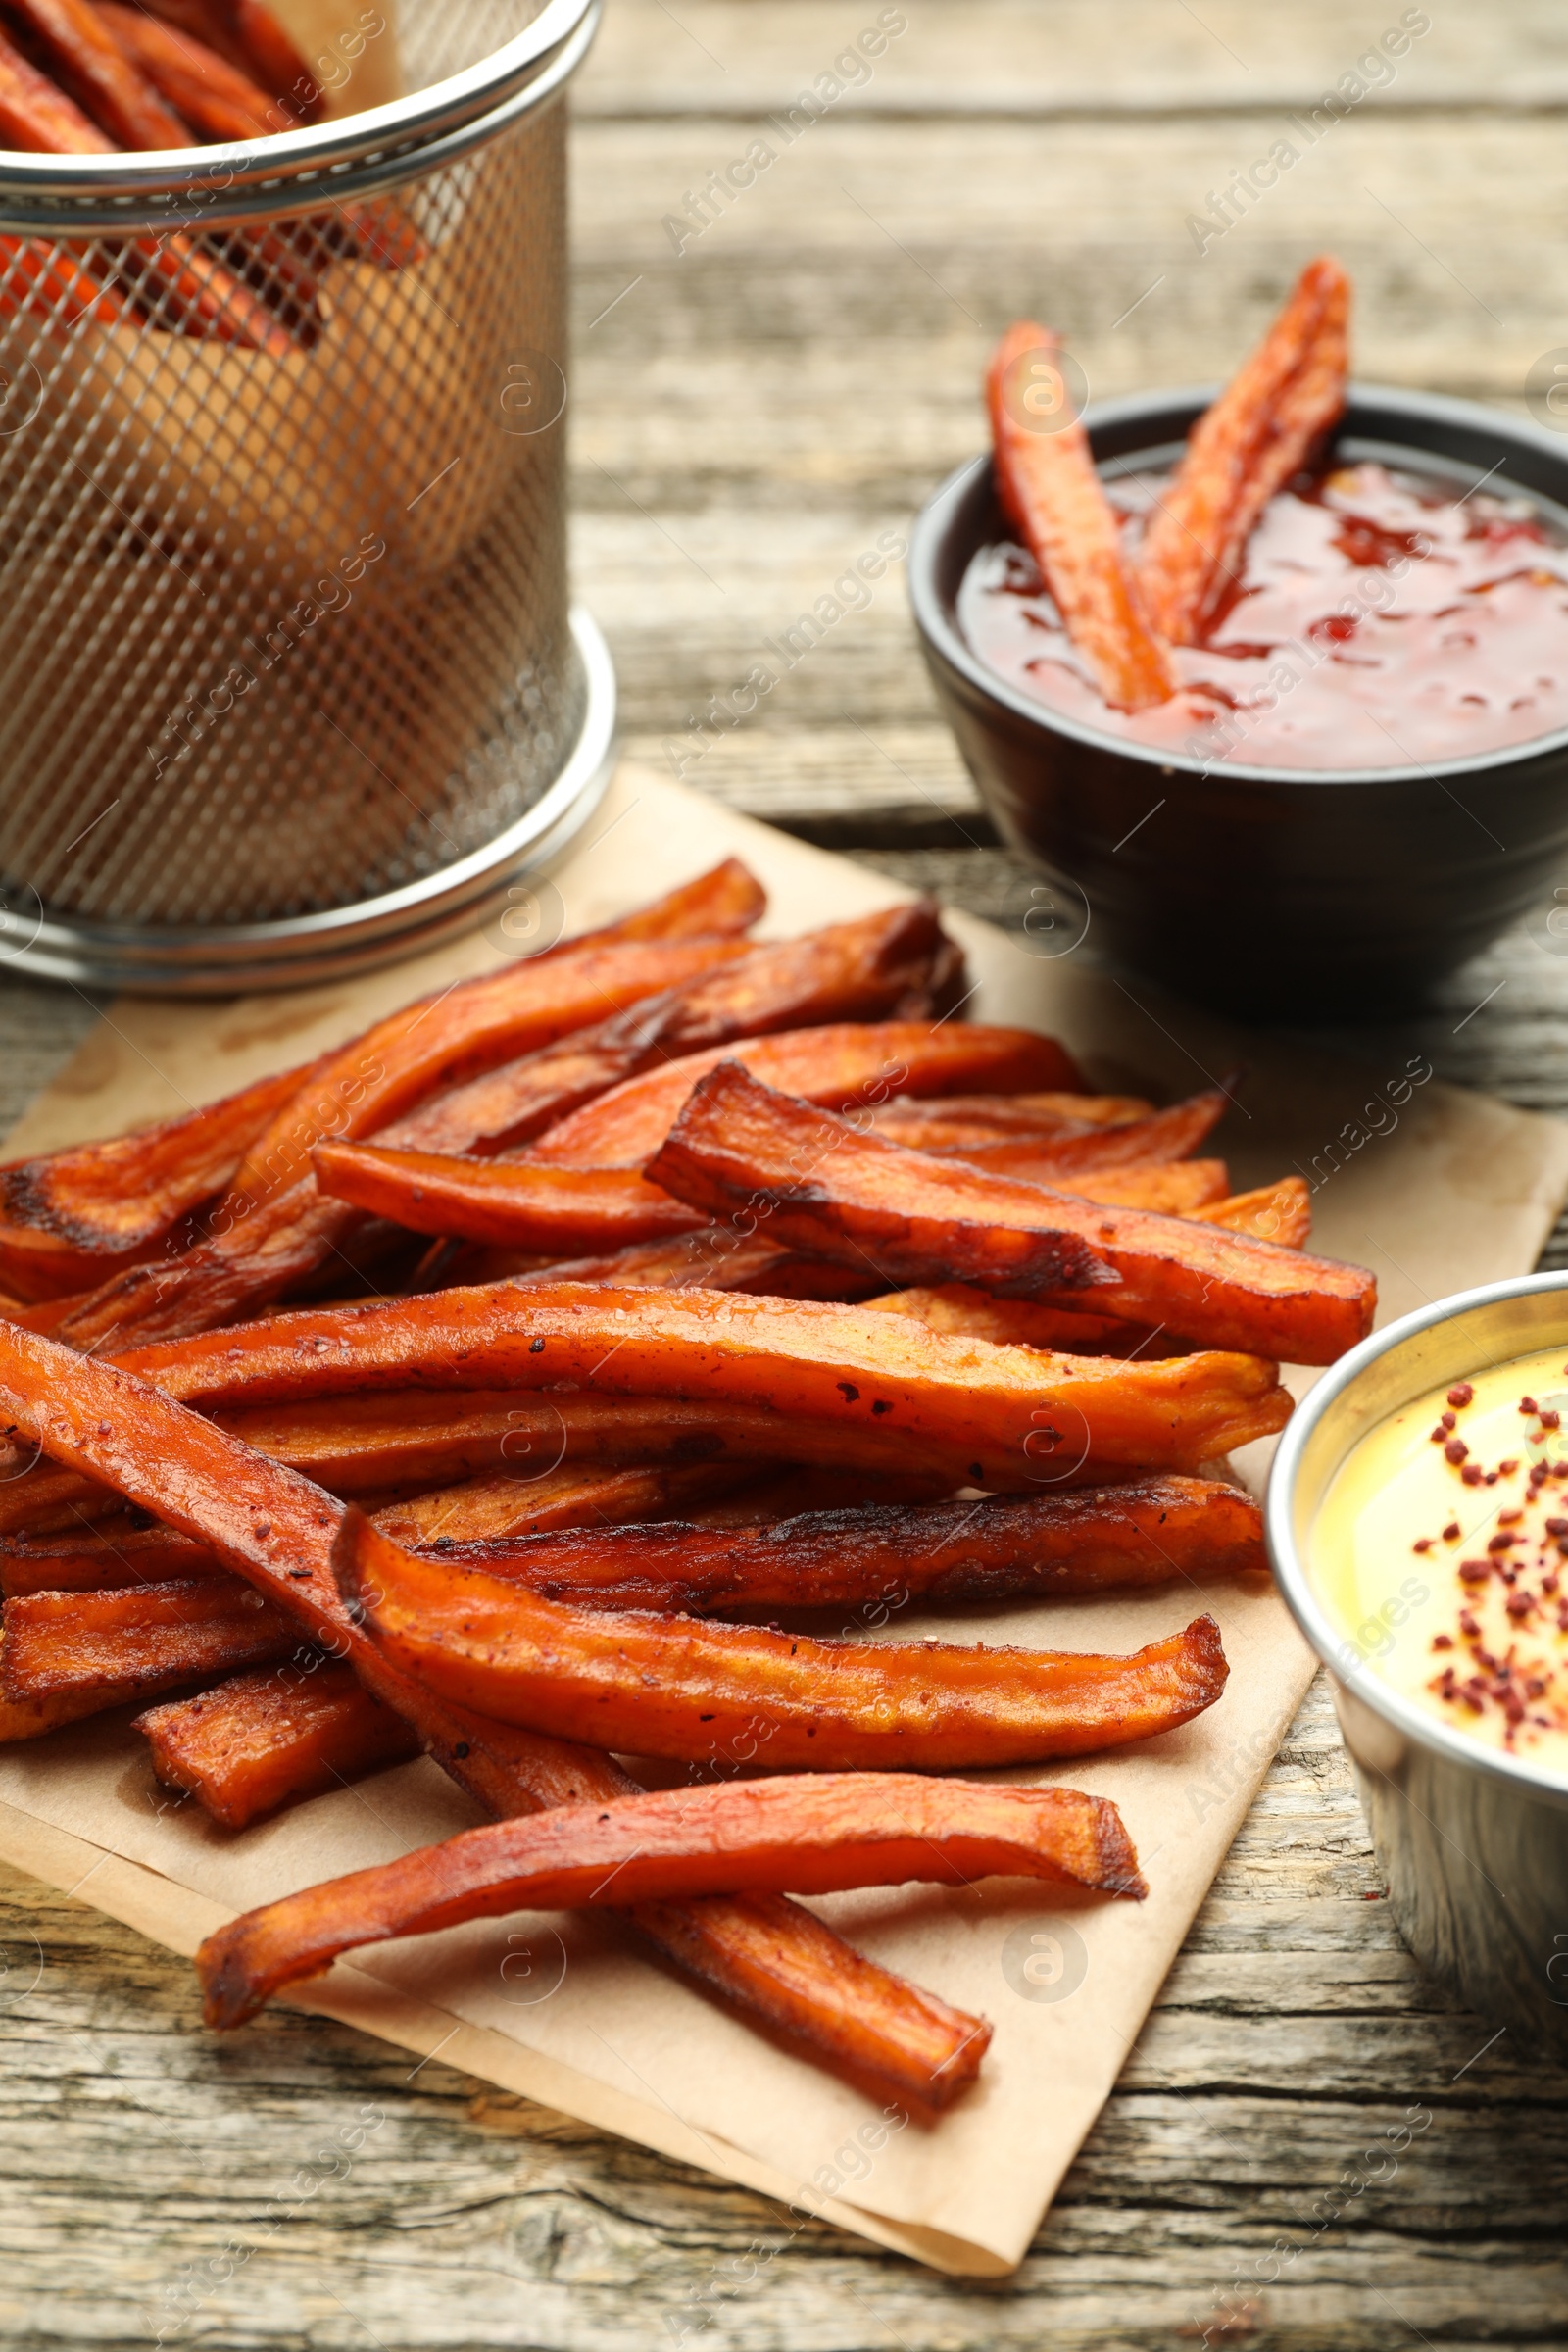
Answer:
(358, 152)
(1294, 1583)
(934, 526)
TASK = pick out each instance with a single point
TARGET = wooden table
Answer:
(750, 412)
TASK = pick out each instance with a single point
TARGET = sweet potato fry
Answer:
(845, 1067)
(114, 1552)
(490, 1019)
(1275, 1212)
(98, 1559)
(73, 1216)
(38, 1497)
(483, 1507)
(872, 1391)
(213, 96)
(209, 21)
(957, 1121)
(806, 1487)
(743, 1153)
(890, 962)
(788, 1274)
(713, 1257)
(1051, 495)
(276, 1529)
(273, 56)
(679, 1688)
(48, 283)
(740, 1148)
(1164, 1135)
(814, 1836)
(272, 1228)
(769, 1956)
(364, 1444)
(1097, 1540)
(381, 231)
(438, 1043)
(968, 1314)
(528, 1204)
(536, 1206)
(249, 37)
(264, 1739)
(31, 1718)
(724, 902)
(380, 1442)
(90, 63)
(141, 1638)
(36, 116)
(190, 292)
(1176, 1187)
(1243, 449)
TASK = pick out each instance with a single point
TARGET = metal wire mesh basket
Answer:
(288, 673)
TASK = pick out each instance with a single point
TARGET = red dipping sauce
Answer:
(1381, 621)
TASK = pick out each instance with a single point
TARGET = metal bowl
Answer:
(289, 681)
(1472, 1843)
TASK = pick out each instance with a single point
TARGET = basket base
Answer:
(239, 958)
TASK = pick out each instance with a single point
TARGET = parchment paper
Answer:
(1435, 1188)
(350, 47)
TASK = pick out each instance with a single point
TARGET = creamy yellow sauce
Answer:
(1441, 1551)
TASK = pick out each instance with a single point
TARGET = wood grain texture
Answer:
(749, 414)
(303, 2184)
(1092, 57)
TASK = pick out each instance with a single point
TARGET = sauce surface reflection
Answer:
(1379, 620)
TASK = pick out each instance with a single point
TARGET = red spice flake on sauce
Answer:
(1517, 1554)
(1455, 1450)
(1462, 1394)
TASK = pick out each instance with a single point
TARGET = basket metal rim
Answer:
(119, 193)
(232, 959)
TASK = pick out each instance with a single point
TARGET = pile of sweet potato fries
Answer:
(491, 1386)
(90, 77)
(1124, 613)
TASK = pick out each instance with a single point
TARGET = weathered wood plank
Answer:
(1101, 57)
(42, 1026)
(343, 2195)
(1130, 186)
(748, 414)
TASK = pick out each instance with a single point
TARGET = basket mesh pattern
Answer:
(283, 537)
